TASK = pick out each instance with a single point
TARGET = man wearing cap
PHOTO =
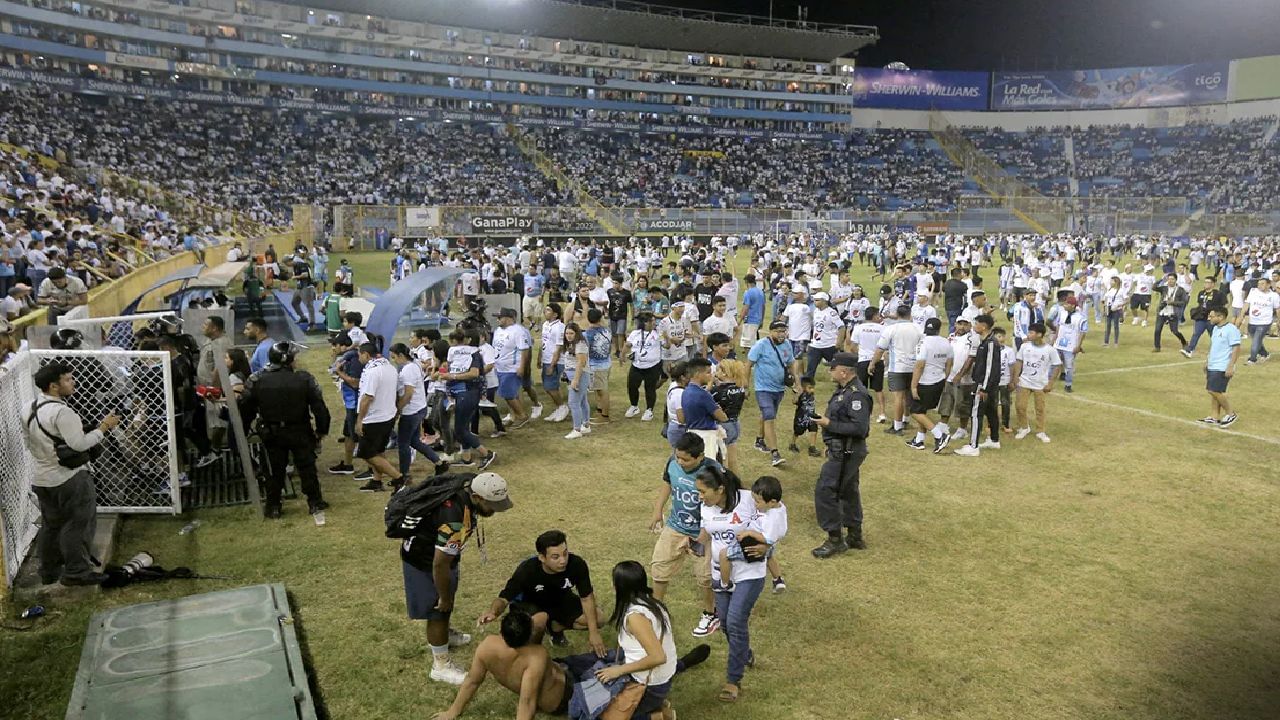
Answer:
(828, 332)
(799, 317)
(430, 559)
(1141, 298)
(769, 361)
(674, 329)
(1070, 326)
(922, 311)
(513, 345)
(845, 426)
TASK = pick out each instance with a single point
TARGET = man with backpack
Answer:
(63, 482)
(434, 519)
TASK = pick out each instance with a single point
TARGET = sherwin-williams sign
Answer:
(1132, 87)
(920, 89)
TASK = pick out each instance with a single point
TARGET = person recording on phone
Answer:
(63, 481)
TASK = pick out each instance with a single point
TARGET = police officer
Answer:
(844, 430)
(284, 400)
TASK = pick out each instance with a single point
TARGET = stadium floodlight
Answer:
(897, 66)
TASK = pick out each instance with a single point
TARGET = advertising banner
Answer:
(569, 227)
(1256, 78)
(1132, 87)
(661, 225)
(424, 216)
(920, 89)
(503, 224)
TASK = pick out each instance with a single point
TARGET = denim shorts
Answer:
(731, 431)
(508, 385)
(768, 402)
(551, 376)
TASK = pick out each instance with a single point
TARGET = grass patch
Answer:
(1127, 570)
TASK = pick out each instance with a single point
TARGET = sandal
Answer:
(728, 694)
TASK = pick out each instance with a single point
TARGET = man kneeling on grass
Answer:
(554, 586)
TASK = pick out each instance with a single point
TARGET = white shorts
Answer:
(532, 308)
(750, 333)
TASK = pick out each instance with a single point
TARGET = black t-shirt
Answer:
(619, 301)
(730, 397)
(681, 291)
(954, 291)
(531, 583)
(703, 295)
(448, 529)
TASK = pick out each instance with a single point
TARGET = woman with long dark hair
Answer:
(574, 355)
(644, 349)
(647, 645)
(464, 375)
(412, 407)
(729, 510)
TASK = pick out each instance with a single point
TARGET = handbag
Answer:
(68, 457)
(788, 378)
(624, 704)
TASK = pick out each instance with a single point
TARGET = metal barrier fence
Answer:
(19, 510)
(137, 471)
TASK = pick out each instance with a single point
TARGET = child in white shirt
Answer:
(767, 493)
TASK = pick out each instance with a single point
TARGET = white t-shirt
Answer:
(1262, 306)
(1237, 292)
(774, 524)
(379, 380)
(723, 527)
(646, 348)
(1037, 362)
(1142, 284)
(470, 283)
(675, 400)
(901, 340)
(676, 331)
(552, 338)
(920, 314)
(509, 342)
(935, 352)
(411, 377)
(963, 347)
(633, 651)
(490, 356)
(1008, 356)
(715, 324)
(867, 336)
(799, 321)
(826, 327)
(1070, 331)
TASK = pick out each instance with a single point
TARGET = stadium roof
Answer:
(630, 23)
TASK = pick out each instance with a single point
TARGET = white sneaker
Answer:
(207, 459)
(585, 429)
(1022, 432)
(632, 411)
(449, 672)
(968, 451)
(536, 412)
(1144, 323)
(1043, 438)
(989, 445)
(959, 434)
(881, 419)
(457, 638)
(707, 625)
(507, 420)
(1136, 321)
(486, 403)
(554, 414)
(647, 416)
(561, 413)
(573, 434)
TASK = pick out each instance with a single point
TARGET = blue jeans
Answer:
(409, 438)
(734, 610)
(466, 404)
(951, 320)
(1202, 326)
(1068, 366)
(1115, 318)
(579, 404)
(1257, 333)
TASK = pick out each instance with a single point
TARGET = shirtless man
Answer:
(520, 666)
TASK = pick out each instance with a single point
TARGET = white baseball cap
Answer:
(492, 488)
(822, 296)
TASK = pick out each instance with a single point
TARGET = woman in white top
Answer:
(675, 403)
(644, 351)
(578, 373)
(645, 640)
(411, 404)
(729, 511)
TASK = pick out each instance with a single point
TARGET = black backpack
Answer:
(408, 507)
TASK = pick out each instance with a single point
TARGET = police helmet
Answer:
(282, 353)
(66, 339)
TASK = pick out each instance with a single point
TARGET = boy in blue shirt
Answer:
(752, 314)
(1225, 345)
(348, 369)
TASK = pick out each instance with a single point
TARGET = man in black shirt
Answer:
(618, 306)
(555, 588)
(953, 293)
(986, 378)
(1210, 296)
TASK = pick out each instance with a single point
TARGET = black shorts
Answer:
(1216, 381)
(1140, 302)
(871, 378)
(349, 424)
(929, 397)
(374, 440)
(899, 381)
(564, 612)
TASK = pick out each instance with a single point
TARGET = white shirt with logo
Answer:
(509, 342)
(826, 327)
(552, 339)
(379, 381)
(935, 352)
(1038, 362)
(646, 348)
(868, 337)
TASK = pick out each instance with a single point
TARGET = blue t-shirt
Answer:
(351, 365)
(767, 373)
(753, 300)
(685, 515)
(598, 347)
(533, 285)
(260, 359)
(699, 408)
(1223, 339)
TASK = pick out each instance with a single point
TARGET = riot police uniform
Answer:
(836, 497)
(284, 401)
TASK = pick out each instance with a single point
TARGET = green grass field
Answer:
(1127, 570)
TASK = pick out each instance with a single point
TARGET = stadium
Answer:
(339, 340)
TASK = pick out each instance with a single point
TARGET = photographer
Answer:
(62, 482)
